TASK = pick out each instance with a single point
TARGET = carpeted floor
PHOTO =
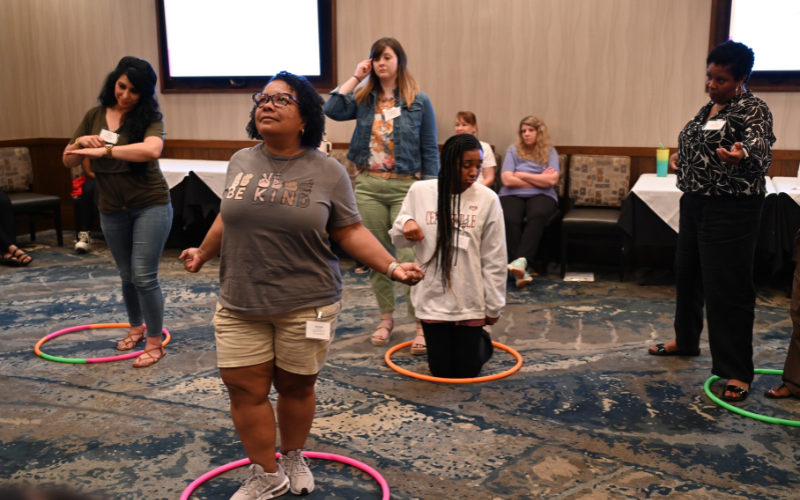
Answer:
(589, 415)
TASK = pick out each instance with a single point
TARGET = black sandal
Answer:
(738, 394)
(19, 255)
(661, 350)
(769, 395)
(9, 261)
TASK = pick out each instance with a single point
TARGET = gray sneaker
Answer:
(84, 240)
(262, 485)
(300, 477)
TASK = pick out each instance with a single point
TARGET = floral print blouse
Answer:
(381, 142)
(745, 119)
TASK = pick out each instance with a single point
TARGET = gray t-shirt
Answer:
(276, 253)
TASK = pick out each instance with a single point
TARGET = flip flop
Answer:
(770, 395)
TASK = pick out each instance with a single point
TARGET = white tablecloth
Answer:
(210, 172)
(788, 185)
(662, 195)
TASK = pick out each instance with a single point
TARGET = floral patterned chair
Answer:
(597, 185)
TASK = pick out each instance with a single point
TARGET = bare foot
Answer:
(780, 392)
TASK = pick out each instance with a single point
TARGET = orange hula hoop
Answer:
(473, 380)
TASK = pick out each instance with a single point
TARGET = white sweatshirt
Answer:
(478, 278)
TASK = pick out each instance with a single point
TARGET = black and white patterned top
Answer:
(745, 119)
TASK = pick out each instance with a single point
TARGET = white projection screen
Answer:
(770, 28)
(234, 45)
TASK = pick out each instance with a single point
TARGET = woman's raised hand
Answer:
(192, 259)
(412, 231)
(408, 273)
(733, 156)
(363, 69)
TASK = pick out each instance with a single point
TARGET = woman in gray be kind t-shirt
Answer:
(280, 288)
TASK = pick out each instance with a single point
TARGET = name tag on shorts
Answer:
(317, 329)
(391, 114)
(109, 136)
(714, 125)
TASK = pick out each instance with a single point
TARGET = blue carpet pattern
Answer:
(589, 415)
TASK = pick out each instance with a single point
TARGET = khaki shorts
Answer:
(247, 340)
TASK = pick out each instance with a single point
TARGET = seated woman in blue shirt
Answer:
(528, 197)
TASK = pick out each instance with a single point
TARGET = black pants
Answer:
(523, 236)
(86, 206)
(791, 368)
(456, 351)
(714, 267)
(8, 234)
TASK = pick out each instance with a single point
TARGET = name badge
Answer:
(714, 125)
(463, 241)
(317, 329)
(391, 114)
(109, 136)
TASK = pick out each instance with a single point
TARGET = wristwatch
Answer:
(390, 271)
(76, 143)
(108, 150)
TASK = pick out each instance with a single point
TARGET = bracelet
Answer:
(77, 144)
(390, 271)
(357, 78)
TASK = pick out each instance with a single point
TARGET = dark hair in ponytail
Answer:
(448, 205)
(135, 122)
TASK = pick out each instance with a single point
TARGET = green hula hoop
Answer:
(749, 414)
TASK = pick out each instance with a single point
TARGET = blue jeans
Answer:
(136, 238)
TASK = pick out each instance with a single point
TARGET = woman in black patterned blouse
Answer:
(723, 154)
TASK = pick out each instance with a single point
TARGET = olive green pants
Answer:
(379, 201)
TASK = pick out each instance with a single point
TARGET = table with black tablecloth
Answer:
(196, 188)
(651, 216)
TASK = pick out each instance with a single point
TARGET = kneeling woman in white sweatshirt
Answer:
(456, 227)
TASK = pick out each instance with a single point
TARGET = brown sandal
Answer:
(129, 342)
(150, 359)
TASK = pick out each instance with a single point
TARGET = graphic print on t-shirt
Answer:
(466, 220)
(292, 193)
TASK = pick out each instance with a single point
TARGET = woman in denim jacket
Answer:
(394, 144)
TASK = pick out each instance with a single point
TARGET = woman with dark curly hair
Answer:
(724, 152)
(124, 137)
(280, 287)
(394, 144)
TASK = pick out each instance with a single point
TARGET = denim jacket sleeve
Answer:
(341, 107)
(429, 145)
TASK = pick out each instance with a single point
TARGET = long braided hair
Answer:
(448, 206)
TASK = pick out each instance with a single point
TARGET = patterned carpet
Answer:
(589, 415)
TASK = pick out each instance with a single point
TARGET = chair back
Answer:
(16, 171)
(599, 180)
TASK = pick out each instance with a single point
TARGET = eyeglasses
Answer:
(279, 100)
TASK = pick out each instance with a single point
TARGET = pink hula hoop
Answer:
(309, 454)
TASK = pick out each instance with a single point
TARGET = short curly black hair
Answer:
(737, 57)
(310, 104)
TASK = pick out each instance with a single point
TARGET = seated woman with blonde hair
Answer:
(530, 172)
